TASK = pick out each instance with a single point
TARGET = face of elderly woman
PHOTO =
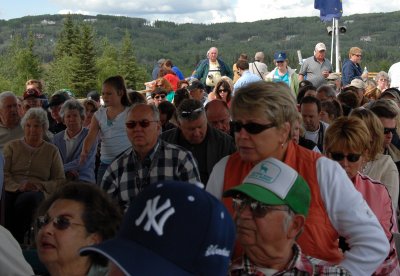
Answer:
(33, 132)
(58, 244)
(254, 147)
(72, 120)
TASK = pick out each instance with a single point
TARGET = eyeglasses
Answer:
(187, 114)
(258, 209)
(59, 222)
(142, 123)
(351, 157)
(162, 96)
(358, 55)
(223, 90)
(252, 128)
(279, 61)
(388, 130)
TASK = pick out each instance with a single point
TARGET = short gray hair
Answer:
(154, 110)
(37, 113)
(272, 100)
(382, 74)
(329, 91)
(72, 104)
(187, 107)
(6, 94)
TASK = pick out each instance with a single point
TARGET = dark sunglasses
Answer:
(187, 114)
(358, 55)
(388, 130)
(59, 222)
(351, 157)
(279, 61)
(143, 123)
(252, 128)
(258, 209)
(162, 96)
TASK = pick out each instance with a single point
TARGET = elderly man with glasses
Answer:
(207, 144)
(270, 209)
(150, 160)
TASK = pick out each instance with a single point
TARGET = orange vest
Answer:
(319, 239)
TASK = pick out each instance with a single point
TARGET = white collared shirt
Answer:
(71, 143)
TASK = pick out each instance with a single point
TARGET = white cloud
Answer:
(75, 12)
(268, 9)
(212, 11)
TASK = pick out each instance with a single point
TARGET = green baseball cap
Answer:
(273, 182)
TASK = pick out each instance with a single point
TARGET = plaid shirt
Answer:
(127, 175)
(300, 265)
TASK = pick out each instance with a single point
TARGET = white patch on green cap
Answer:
(273, 175)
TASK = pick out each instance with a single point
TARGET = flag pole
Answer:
(337, 44)
(333, 38)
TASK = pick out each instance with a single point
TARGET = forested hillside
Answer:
(377, 34)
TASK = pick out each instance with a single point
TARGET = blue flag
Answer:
(329, 9)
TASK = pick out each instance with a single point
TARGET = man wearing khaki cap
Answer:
(316, 68)
(335, 80)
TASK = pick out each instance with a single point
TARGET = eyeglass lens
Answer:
(351, 157)
(252, 128)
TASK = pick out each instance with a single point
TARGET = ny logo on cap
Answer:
(280, 55)
(152, 211)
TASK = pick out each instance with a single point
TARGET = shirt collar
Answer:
(151, 153)
(67, 138)
(295, 263)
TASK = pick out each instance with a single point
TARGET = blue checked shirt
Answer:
(127, 175)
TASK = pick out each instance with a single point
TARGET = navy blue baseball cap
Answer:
(172, 228)
(279, 56)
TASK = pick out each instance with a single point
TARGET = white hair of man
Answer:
(6, 94)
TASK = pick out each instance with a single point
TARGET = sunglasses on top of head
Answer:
(187, 114)
(251, 128)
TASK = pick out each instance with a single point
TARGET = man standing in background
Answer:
(316, 68)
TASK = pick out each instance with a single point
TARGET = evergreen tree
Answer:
(107, 64)
(67, 39)
(134, 76)
(59, 73)
(84, 75)
(19, 64)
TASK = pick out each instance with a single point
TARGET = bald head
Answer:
(213, 54)
(218, 115)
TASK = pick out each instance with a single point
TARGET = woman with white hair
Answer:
(383, 80)
(70, 141)
(33, 169)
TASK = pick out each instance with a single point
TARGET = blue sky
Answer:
(199, 11)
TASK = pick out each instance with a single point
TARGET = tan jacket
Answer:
(42, 166)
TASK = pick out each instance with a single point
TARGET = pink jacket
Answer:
(378, 199)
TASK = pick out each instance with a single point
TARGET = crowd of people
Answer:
(233, 170)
